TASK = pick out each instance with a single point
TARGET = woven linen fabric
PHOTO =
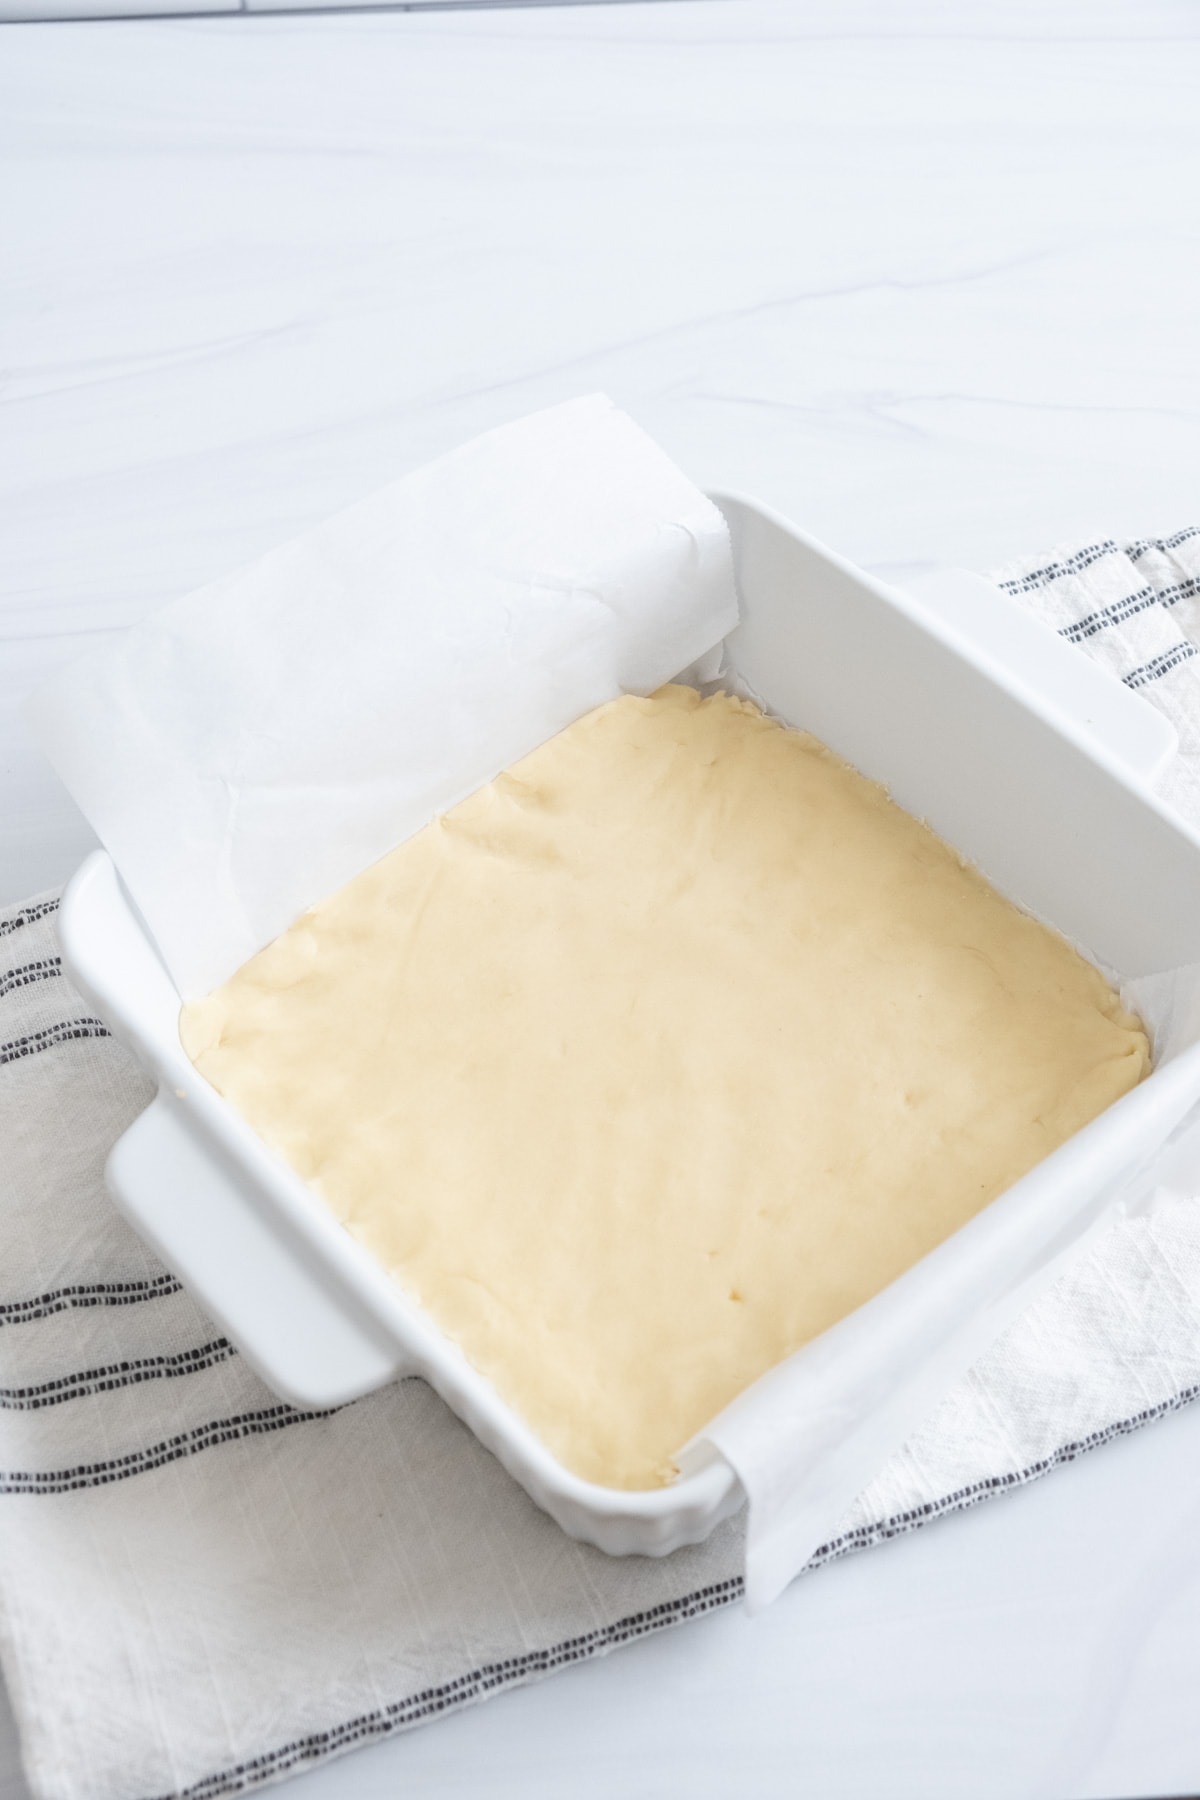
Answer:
(203, 1589)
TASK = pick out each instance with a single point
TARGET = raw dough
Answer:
(657, 1056)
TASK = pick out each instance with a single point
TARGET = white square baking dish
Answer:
(1032, 762)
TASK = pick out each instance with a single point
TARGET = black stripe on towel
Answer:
(90, 1293)
(863, 1536)
(1160, 665)
(28, 973)
(1143, 546)
(1119, 610)
(28, 915)
(116, 1375)
(1070, 565)
(383, 1721)
(65, 1033)
(1179, 590)
(1166, 596)
(155, 1456)
(1113, 614)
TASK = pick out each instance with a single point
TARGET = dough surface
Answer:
(657, 1056)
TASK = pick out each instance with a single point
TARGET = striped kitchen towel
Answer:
(203, 1589)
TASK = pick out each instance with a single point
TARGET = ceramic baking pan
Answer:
(1030, 760)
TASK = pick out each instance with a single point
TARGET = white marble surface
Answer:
(924, 277)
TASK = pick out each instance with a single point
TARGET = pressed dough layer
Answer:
(657, 1056)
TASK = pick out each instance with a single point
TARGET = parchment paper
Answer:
(247, 749)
